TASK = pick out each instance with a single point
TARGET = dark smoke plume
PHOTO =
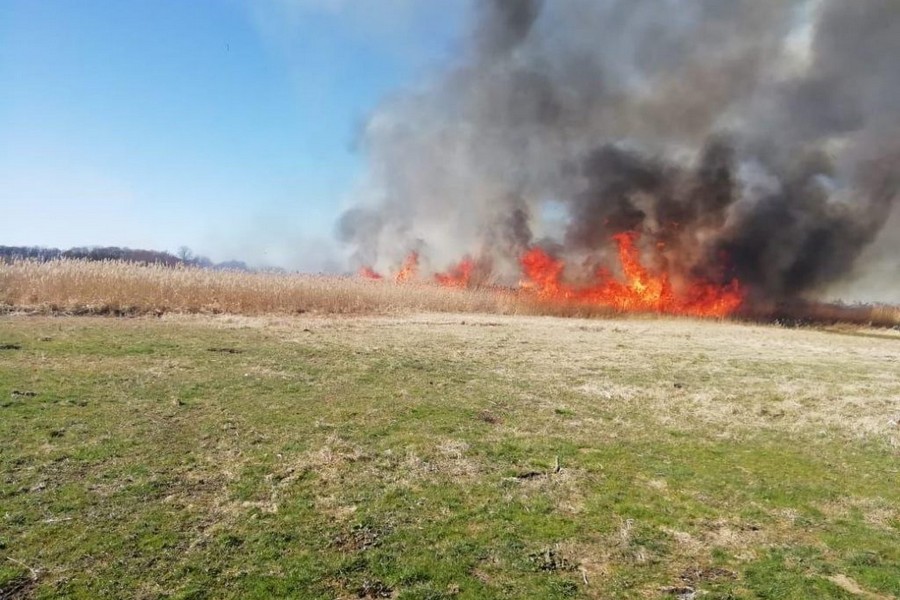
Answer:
(756, 139)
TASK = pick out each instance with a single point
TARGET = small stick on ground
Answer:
(34, 572)
(56, 520)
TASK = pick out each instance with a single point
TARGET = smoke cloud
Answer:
(751, 139)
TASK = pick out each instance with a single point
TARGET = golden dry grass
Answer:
(118, 288)
(82, 287)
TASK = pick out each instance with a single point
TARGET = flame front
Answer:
(639, 290)
(409, 269)
(369, 273)
(459, 275)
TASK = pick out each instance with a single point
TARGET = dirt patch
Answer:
(374, 589)
(361, 537)
(226, 350)
(550, 559)
(682, 592)
(489, 417)
(18, 588)
(697, 575)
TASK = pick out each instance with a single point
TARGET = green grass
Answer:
(396, 458)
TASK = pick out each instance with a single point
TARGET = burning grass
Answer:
(117, 288)
(638, 288)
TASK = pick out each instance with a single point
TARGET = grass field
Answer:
(446, 456)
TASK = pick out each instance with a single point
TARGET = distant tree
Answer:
(10, 253)
(203, 261)
(185, 254)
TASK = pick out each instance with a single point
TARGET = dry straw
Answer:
(113, 287)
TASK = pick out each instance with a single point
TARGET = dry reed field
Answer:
(118, 288)
(83, 287)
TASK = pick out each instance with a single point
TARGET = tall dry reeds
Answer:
(82, 287)
(112, 287)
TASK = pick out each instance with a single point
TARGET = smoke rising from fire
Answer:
(756, 140)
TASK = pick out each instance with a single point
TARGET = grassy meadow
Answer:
(446, 456)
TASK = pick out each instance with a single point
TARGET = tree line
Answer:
(184, 256)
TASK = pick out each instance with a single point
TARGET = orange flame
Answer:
(409, 269)
(641, 290)
(458, 275)
(369, 273)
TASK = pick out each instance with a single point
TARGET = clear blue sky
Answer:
(226, 126)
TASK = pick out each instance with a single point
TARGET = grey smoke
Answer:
(757, 139)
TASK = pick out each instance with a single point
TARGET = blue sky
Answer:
(223, 125)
